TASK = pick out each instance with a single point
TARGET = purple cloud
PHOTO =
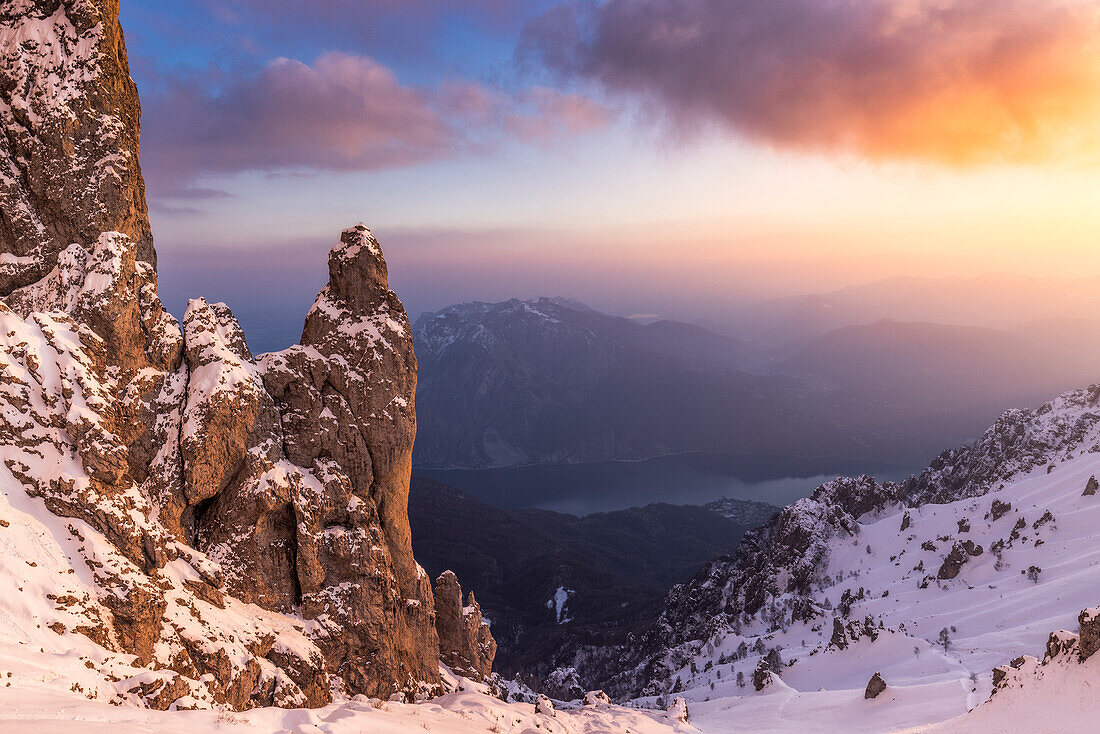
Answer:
(343, 112)
(957, 81)
(536, 115)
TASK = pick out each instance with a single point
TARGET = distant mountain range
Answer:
(909, 380)
(550, 381)
(996, 301)
(553, 381)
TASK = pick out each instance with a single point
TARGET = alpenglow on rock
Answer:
(235, 529)
(71, 121)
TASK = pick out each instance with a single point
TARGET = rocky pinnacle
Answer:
(195, 478)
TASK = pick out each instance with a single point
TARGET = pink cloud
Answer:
(551, 114)
(343, 112)
(538, 115)
(958, 81)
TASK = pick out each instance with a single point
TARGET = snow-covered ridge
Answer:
(864, 578)
(1018, 442)
(466, 322)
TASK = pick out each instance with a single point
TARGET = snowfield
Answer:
(1037, 567)
(37, 711)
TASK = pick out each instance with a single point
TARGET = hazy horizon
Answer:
(271, 302)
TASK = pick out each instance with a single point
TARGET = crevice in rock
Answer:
(182, 420)
(194, 519)
(292, 547)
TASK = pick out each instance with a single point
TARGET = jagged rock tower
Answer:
(196, 480)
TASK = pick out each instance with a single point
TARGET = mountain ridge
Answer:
(999, 529)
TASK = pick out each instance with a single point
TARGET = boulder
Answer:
(959, 555)
(762, 676)
(545, 706)
(875, 686)
(677, 711)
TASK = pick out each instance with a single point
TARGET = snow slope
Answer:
(992, 611)
(55, 679)
(37, 710)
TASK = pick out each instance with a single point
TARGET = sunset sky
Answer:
(666, 156)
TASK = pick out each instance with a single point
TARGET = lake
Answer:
(679, 479)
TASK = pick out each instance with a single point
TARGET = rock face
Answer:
(346, 397)
(1090, 487)
(465, 642)
(196, 479)
(71, 122)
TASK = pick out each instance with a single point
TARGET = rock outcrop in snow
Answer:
(238, 526)
(875, 686)
(1048, 693)
(1064, 649)
(465, 642)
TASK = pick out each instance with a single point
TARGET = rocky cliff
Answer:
(71, 120)
(238, 525)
